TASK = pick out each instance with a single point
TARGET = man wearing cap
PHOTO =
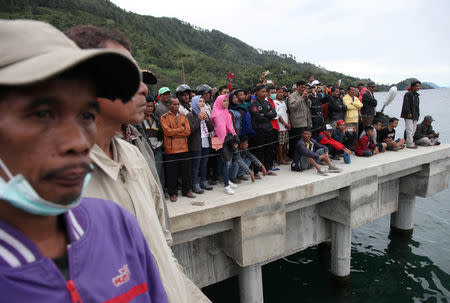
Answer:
(369, 102)
(53, 244)
(425, 135)
(334, 147)
(121, 172)
(162, 106)
(411, 112)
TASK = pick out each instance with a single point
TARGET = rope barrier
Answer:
(215, 155)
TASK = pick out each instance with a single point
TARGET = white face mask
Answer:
(19, 193)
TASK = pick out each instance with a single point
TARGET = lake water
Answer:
(384, 267)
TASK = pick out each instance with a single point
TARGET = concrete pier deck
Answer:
(217, 236)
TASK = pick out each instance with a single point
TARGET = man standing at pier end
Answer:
(411, 113)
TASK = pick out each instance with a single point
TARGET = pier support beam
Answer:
(341, 236)
(403, 219)
(250, 284)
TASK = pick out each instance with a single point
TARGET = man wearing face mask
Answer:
(55, 246)
(272, 95)
(263, 113)
(122, 174)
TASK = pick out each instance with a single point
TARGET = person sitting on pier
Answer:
(377, 126)
(341, 134)
(387, 135)
(335, 148)
(242, 159)
(308, 153)
(365, 146)
(425, 135)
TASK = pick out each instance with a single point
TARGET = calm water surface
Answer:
(384, 267)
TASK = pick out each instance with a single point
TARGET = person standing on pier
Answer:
(353, 105)
(262, 114)
(176, 129)
(411, 113)
(336, 107)
(300, 116)
(369, 105)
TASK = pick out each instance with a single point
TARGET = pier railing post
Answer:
(250, 284)
(403, 219)
(341, 237)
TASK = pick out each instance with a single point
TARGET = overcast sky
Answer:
(386, 40)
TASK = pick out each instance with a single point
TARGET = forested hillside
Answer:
(164, 44)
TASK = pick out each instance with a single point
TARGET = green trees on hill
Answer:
(164, 44)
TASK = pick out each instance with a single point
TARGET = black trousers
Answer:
(264, 147)
(174, 163)
(294, 135)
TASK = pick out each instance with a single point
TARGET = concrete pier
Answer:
(341, 246)
(250, 284)
(403, 218)
(224, 236)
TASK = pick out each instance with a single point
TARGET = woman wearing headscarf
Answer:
(199, 143)
(223, 125)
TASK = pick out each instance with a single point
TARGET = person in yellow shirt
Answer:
(353, 106)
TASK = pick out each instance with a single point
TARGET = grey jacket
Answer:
(300, 115)
(161, 109)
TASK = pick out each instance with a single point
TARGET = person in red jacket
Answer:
(335, 148)
(365, 146)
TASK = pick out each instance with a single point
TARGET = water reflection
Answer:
(394, 274)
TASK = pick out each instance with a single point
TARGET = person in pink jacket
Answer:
(223, 125)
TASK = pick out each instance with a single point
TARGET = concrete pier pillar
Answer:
(403, 219)
(341, 236)
(250, 284)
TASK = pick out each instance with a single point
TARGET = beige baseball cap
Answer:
(33, 51)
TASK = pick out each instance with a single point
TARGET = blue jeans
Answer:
(236, 171)
(226, 172)
(220, 164)
(304, 163)
(367, 153)
(200, 162)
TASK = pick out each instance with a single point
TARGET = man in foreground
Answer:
(52, 242)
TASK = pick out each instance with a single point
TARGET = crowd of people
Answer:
(211, 135)
(79, 129)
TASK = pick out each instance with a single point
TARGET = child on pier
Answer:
(242, 159)
(365, 146)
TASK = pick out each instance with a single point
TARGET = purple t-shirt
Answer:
(109, 261)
